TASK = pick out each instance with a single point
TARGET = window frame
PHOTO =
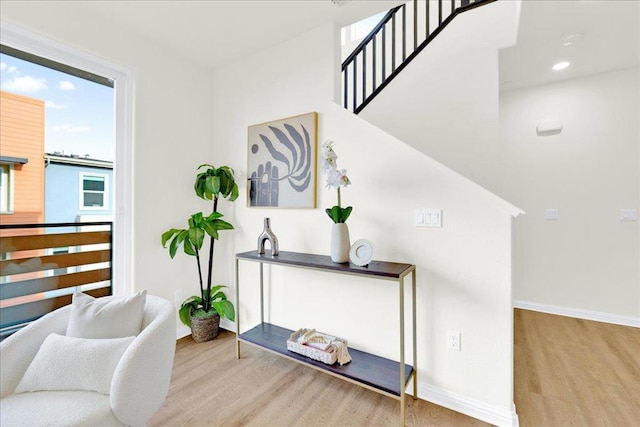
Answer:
(82, 191)
(23, 39)
(10, 188)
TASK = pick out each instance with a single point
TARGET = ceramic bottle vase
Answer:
(268, 236)
(340, 243)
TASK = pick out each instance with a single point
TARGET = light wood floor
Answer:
(569, 372)
(573, 372)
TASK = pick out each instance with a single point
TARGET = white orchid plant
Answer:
(336, 178)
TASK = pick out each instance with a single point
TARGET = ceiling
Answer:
(213, 32)
(610, 40)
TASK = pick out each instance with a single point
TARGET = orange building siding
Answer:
(22, 135)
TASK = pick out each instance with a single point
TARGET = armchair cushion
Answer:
(57, 408)
(69, 363)
(106, 317)
(138, 388)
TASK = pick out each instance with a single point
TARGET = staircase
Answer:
(446, 103)
(399, 37)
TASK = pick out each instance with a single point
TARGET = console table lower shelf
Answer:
(365, 369)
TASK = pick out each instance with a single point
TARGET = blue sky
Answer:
(78, 113)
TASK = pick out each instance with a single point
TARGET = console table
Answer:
(381, 375)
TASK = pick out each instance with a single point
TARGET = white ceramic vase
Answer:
(340, 243)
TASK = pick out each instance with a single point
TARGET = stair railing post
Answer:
(364, 74)
(393, 43)
(415, 24)
(345, 90)
(404, 33)
(355, 83)
(373, 62)
(384, 52)
(427, 19)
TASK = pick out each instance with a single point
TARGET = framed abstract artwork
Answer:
(281, 170)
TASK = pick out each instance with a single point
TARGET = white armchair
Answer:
(138, 388)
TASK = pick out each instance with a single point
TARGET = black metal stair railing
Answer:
(383, 53)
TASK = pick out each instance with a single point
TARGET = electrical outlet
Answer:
(177, 296)
(453, 340)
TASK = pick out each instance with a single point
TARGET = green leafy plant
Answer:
(212, 184)
(339, 214)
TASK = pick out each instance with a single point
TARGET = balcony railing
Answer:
(41, 265)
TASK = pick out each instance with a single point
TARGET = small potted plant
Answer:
(202, 312)
(337, 178)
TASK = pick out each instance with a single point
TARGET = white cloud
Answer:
(11, 69)
(53, 105)
(71, 129)
(66, 85)
(26, 84)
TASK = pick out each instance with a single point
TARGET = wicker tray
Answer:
(328, 356)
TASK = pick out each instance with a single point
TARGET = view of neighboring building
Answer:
(77, 189)
(38, 188)
(52, 187)
(21, 154)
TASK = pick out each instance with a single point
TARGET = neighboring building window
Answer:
(60, 251)
(94, 190)
(6, 188)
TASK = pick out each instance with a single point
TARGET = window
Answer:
(94, 190)
(361, 29)
(6, 188)
(60, 251)
(24, 40)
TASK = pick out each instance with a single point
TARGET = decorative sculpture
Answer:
(267, 235)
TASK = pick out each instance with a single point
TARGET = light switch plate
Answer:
(628, 215)
(551, 214)
(428, 218)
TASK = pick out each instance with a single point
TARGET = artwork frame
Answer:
(282, 163)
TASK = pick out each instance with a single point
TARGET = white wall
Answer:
(588, 259)
(585, 265)
(172, 132)
(463, 268)
(448, 95)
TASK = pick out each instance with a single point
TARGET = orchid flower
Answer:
(336, 178)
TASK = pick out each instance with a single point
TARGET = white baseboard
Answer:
(468, 406)
(579, 313)
(182, 331)
(456, 402)
(228, 325)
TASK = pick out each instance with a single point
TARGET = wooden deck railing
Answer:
(41, 265)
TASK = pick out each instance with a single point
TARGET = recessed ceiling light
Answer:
(561, 65)
(571, 38)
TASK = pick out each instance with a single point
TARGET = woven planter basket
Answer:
(205, 329)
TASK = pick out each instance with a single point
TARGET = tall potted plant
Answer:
(202, 312)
